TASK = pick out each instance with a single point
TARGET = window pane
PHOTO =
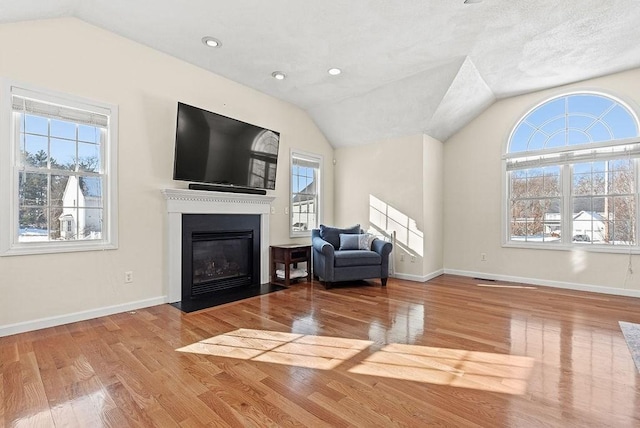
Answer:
(32, 225)
(63, 129)
(621, 122)
(554, 125)
(35, 151)
(599, 132)
(57, 230)
(90, 223)
(520, 138)
(32, 189)
(58, 187)
(582, 204)
(88, 157)
(546, 111)
(536, 220)
(557, 140)
(622, 182)
(577, 137)
(89, 134)
(63, 154)
(582, 184)
(624, 213)
(36, 125)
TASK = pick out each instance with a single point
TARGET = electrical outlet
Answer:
(273, 210)
(401, 257)
(483, 257)
(413, 259)
(286, 210)
(128, 276)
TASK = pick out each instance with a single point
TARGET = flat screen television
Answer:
(214, 149)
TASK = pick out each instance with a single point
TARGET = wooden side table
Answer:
(288, 255)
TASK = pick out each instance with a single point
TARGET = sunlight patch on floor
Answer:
(484, 371)
(454, 367)
(316, 352)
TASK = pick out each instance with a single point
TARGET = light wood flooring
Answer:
(455, 352)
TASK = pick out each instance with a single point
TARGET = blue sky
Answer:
(62, 139)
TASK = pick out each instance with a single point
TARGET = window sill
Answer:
(591, 248)
(301, 234)
(31, 249)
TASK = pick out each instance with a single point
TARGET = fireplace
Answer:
(186, 202)
(220, 253)
(220, 261)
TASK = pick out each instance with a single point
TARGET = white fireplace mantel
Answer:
(185, 201)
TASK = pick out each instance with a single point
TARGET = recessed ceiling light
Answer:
(334, 71)
(278, 75)
(211, 42)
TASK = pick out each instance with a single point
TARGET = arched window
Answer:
(264, 155)
(571, 166)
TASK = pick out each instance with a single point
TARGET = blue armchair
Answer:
(348, 255)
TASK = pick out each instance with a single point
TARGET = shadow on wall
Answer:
(387, 219)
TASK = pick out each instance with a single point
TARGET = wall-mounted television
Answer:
(214, 149)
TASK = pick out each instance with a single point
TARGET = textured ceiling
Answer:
(413, 66)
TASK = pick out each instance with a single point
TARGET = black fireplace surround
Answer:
(220, 254)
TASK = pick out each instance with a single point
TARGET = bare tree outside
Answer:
(605, 189)
(535, 204)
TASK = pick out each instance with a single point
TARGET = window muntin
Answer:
(305, 193)
(572, 173)
(60, 180)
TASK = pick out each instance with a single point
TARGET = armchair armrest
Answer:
(323, 257)
(322, 246)
(384, 249)
(381, 247)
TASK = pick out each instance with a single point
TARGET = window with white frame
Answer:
(58, 173)
(305, 192)
(572, 174)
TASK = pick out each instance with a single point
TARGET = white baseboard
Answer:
(418, 278)
(547, 283)
(21, 327)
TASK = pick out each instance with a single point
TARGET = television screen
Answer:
(215, 149)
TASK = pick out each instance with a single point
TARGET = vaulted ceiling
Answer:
(408, 67)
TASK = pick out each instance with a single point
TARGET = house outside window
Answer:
(305, 206)
(58, 166)
(571, 169)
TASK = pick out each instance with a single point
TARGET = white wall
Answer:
(433, 187)
(69, 56)
(473, 189)
(397, 175)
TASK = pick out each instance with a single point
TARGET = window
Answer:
(305, 193)
(572, 172)
(264, 154)
(58, 166)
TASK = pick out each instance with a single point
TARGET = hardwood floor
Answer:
(452, 352)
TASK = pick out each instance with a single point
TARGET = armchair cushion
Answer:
(332, 234)
(346, 258)
(360, 241)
